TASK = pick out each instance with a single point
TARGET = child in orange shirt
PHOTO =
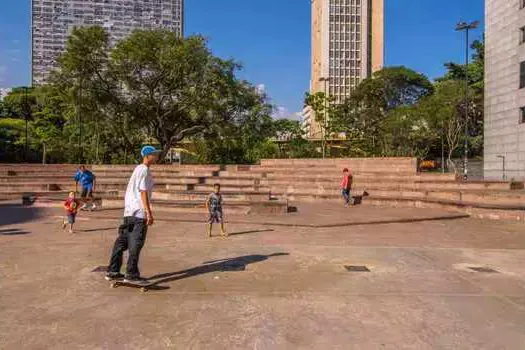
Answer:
(71, 206)
(346, 186)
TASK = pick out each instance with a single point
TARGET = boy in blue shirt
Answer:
(87, 182)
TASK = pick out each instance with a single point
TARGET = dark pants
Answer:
(347, 196)
(131, 237)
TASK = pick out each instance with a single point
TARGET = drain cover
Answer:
(357, 268)
(100, 269)
(482, 269)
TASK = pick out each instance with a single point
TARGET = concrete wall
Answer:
(475, 169)
(504, 134)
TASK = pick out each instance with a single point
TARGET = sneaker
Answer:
(93, 207)
(84, 207)
(112, 276)
(136, 280)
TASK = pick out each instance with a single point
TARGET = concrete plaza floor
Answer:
(288, 288)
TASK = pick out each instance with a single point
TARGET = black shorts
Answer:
(87, 192)
(215, 217)
(71, 218)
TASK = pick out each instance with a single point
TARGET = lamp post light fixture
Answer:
(325, 80)
(464, 26)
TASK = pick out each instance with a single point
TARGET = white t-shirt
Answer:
(140, 181)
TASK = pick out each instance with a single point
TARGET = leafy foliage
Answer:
(365, 116)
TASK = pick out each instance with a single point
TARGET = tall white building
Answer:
(347, 47)
(504, 89)
(53, 20)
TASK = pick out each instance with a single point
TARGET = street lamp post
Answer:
(26, 117)
(325, 80)
(79, 114)
(464, 26)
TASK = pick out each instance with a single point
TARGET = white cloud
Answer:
(13, 51)
(297, 116)
(261, 89)
(15, 41)
(281, 112)
(15, 59)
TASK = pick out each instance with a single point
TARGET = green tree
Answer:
(362, 116)
(443, 112)
(324, 108)
(152, 83)
(407, 133)
(11, 133)
(243, 139)
(287, 129)
(476, 75)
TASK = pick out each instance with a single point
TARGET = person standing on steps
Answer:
(137, 218)
(87, 182)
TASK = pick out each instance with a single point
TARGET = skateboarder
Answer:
(87, 183)
(137, 218)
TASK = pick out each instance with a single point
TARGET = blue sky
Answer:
(272, 39)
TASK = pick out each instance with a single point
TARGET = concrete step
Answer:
(319, 186)
(478, 198)
(104, 185)
(115, 200)
(159, 167)
(208, 188)
(36, 179)
(238, 207)
(201, 196)
(336, 176)
(477, 210)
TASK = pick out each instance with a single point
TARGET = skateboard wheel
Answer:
(113, 285)
(143, 290)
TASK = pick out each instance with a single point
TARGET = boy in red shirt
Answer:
(346, 186)
(71, 206)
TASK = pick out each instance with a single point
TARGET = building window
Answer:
(522, 75)
(522, 115)
(522, 34)
(522, 4)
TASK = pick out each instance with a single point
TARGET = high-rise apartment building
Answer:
(347, 47)
(504, 149)
(53, 20)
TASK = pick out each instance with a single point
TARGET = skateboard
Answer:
(143, 287)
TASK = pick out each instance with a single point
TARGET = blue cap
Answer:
(149, 150)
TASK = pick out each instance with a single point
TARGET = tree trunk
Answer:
(451, 164)
(165, 146)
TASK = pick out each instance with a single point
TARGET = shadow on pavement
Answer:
(248, 232)
(229, 264)
(395, 221)
(13, 232)
(11, 213)
(100, 229)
